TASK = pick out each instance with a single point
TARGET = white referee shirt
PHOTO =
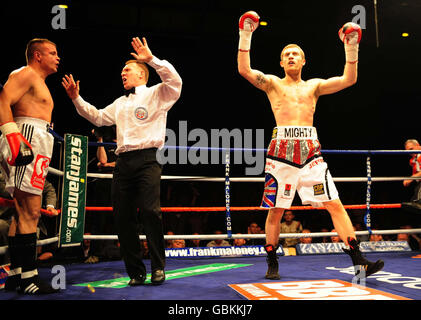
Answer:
(140, 118)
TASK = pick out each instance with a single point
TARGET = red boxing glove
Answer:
(249, 22)
(20, 148)
(351, 34)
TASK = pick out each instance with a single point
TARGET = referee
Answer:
(140, 118)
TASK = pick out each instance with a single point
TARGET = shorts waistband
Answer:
(294, 132)
(39, 123)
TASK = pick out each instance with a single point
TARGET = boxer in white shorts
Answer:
(29, 178)
(294, 162)
(26, 107)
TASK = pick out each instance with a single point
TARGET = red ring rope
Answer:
(10, 203)
(215, 209)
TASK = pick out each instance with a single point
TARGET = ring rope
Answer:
(234, 236)
(9, 203)
(256, 236)
(239, 179)
(222, 209)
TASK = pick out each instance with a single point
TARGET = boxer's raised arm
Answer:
(249, 22)
(350, 34)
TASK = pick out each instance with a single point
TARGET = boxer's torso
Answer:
(293, 103)
(37, 101)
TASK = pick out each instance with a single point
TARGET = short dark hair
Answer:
(33, 45)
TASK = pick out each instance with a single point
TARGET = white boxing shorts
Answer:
(294, 163)
(29, 178)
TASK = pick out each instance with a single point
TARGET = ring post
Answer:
(72, 223)
(367, 218)
(227, 194)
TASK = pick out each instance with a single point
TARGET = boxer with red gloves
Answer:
(294, 162)
(26, 147)
(20, 149)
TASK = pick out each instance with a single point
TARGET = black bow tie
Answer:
(131, 90)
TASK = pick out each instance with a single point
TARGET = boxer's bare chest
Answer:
(37, 102)
(293, 103)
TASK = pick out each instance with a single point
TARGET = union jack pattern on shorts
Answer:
(269, 195)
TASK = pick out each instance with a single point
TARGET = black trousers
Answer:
(136, 200)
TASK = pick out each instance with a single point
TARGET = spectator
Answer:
(218, 242)
(361, 238)
(195, 243)
(415, 163)
(402, 237)
(168, 243)
(334, 239)
(413, 239)
(76, 254)
(290, 226)
(307, 239)
(239, 241)
(324, 239)
(86, 251)
(376, 237)
(178, 243)
(254, 228)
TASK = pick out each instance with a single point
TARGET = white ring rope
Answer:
(233, 236)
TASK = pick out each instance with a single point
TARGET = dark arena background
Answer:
(200, 38)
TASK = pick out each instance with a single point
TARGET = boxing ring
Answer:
(214, 274)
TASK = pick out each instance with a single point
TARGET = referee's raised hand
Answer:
(71, 87)
(143, 53)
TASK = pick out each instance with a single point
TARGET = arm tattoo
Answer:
(260, 79)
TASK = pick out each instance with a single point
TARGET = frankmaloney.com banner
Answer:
(74, 190)
(232, 251)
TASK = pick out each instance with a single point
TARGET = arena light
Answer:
(263, 23)
(405, 34)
